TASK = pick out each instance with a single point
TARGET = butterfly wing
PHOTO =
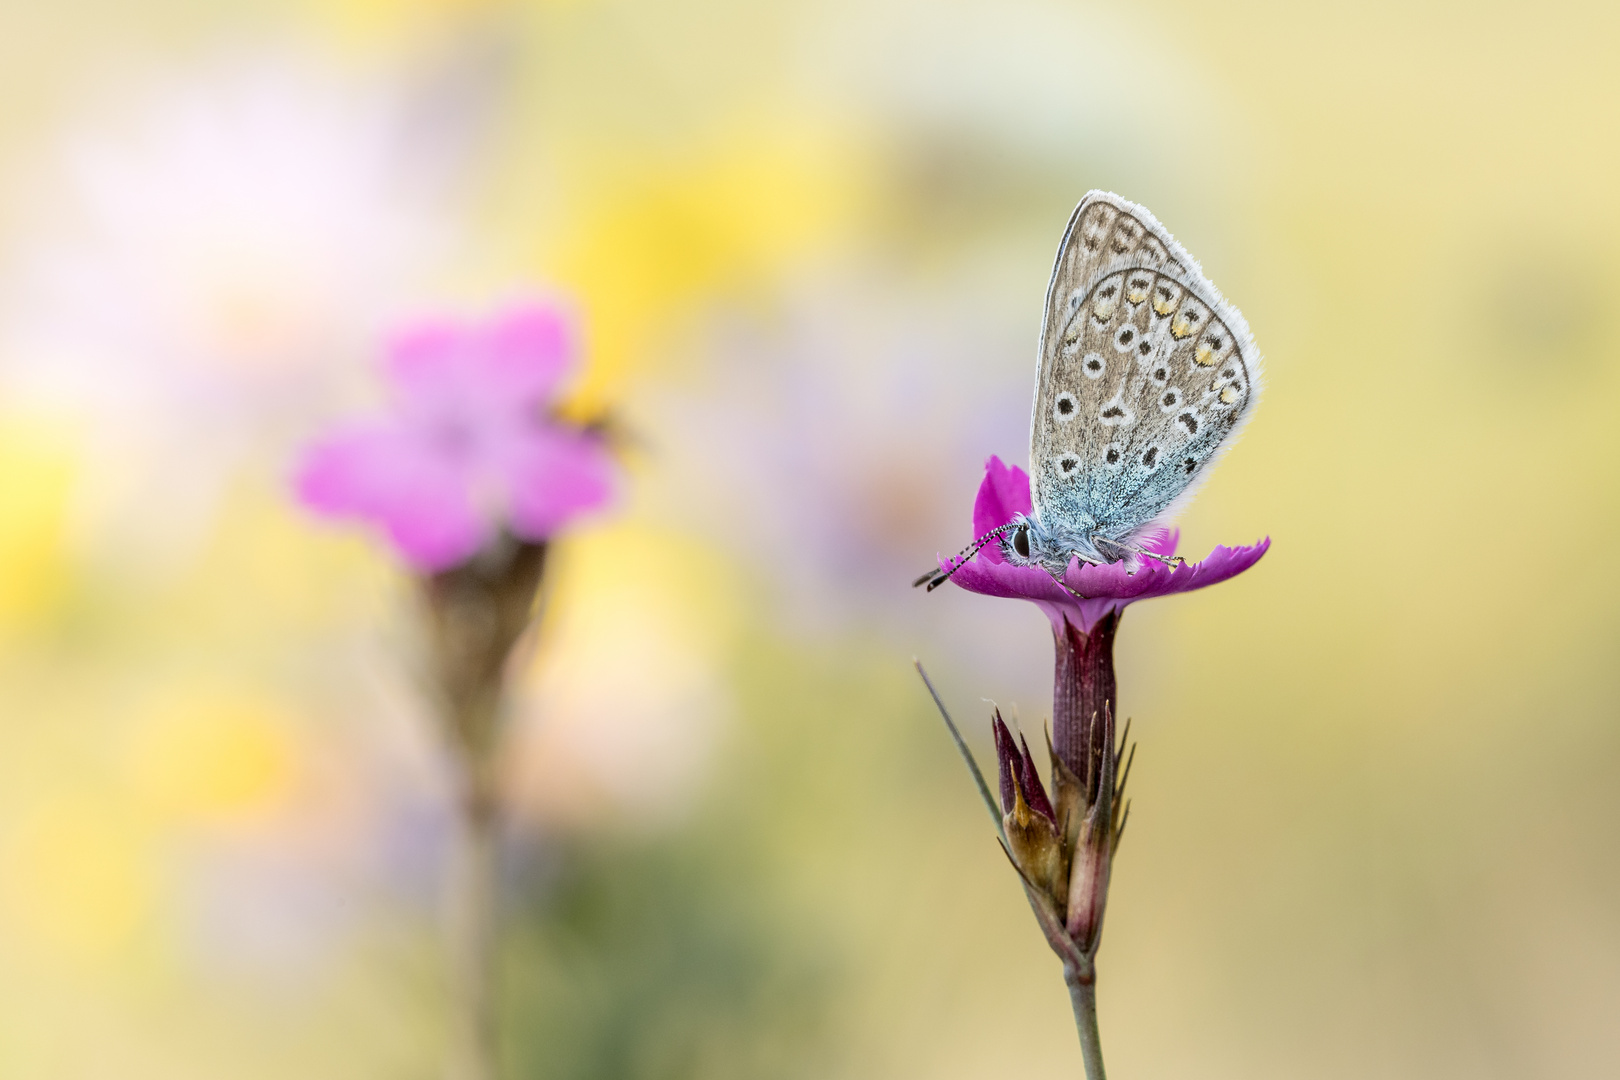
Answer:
(1146, 375)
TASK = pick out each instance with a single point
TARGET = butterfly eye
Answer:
(1021, 541)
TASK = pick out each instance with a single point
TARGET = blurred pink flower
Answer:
(1005, 493)
(470, 447)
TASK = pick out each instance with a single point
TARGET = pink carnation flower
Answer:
(1110, 588)
(469, 447)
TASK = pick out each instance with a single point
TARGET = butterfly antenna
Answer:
(937, 577)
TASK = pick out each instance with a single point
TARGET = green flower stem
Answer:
(1083, 996)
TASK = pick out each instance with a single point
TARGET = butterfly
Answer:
(1145, 377)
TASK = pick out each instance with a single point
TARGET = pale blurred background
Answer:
(1377, 801)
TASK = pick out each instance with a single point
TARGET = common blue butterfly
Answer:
(1145, 377)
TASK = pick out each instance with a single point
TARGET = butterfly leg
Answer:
(1171, 561)
(1065, 585)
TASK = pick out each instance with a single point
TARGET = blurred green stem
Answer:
(1083, 996)
(478, 613)
(473, 871)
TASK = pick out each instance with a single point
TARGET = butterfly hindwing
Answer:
(1146, 375)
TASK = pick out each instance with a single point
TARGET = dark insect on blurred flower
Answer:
(470, 448)
(469, 475)
(1063, 844)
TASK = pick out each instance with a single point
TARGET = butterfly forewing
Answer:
(1145, 375)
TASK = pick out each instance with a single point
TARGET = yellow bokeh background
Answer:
(1374, 827)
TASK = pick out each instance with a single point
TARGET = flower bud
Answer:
(1027, 816)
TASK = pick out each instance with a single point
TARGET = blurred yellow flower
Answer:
(213, 757)
(650, 237)
(36, 478)
(370, 23)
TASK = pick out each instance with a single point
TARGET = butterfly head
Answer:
(1023, 541)
(1027, 543)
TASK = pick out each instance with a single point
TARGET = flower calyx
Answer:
(1028, 818)
(1063, 846)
